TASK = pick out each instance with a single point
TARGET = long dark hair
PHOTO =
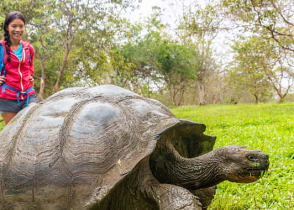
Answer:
(8, 19)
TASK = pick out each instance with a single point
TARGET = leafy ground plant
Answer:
(1, 123)
(266, 127)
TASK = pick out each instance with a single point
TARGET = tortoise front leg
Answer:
(172, 197)
(205, 195)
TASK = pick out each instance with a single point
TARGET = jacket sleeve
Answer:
(1, 58)
(32, 56)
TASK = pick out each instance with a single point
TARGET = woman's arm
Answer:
(2, 80)
(32, 56)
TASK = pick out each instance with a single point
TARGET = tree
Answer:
(248, 69)
(29, 8)
(45, 43)
(267, 61)
(270, 18)
(96, 19)
(199, 27)
(174, 62)
(276, 66)
(160, 61)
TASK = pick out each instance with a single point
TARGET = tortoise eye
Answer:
(251, 157)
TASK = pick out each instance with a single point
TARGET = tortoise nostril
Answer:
(265, 156)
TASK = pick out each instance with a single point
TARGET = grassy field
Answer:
(269, 128)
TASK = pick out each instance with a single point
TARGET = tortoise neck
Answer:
(191, 173)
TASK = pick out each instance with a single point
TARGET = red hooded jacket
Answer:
(18, 72)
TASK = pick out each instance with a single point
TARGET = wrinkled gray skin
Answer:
(108, 148)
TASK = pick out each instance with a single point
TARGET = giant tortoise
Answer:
(109, 148)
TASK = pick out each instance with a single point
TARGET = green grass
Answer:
(266, 127)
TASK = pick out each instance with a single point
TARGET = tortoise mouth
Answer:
(258, 171)
(255, 172)
(250, 175)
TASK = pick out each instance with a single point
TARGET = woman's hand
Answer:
(2, 80)
(32, 80)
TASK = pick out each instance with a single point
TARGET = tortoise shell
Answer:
(80, 142)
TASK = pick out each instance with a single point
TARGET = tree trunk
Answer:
(201, 92)
(173, 92)
(281, 95)
(61, 71)
(181, 96)
(68, 45)
(256, 98)
(42, 81)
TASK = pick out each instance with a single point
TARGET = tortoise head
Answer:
(242, 165)
(183, 156)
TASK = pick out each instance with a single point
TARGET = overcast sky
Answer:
(171, 9)
(145, 10)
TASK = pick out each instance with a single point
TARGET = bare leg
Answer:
(8, 116)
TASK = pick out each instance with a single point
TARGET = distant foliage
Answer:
(88, 43)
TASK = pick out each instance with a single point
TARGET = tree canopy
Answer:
(87, 43)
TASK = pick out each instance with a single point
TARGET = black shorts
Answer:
(8, 105)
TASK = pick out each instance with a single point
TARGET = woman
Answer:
(16, 67)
